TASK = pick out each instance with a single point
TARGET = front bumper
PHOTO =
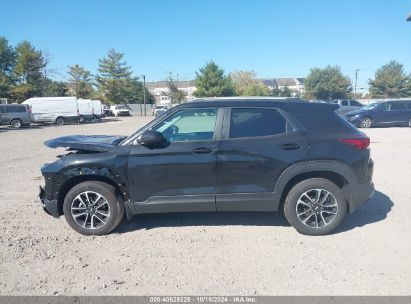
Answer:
(49, 206)
(358, 194)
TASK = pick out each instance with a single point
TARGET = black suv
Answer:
(216, 155)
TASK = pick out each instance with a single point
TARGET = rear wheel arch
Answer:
(16, 123)
(334, 171)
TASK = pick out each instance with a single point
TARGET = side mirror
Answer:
(152, 139)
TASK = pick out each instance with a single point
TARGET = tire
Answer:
(366, 122)
(320, 217)
(81, 119)
(93, 221)
(60, 121)
(16, 123)
(409, 123)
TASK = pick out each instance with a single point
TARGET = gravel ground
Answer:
(186, 254)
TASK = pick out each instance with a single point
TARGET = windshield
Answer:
(121, 107)
(160, 107)
(372, 105)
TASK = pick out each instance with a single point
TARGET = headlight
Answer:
(353, 118)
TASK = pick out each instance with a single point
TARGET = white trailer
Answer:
(58, 110)
(85, 108)
(97, 109)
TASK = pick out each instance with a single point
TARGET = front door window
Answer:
(189, 125)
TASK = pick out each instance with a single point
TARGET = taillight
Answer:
(360, 143)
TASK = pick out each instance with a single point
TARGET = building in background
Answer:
(161, 91)
(296, 85)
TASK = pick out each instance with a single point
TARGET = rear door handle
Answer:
(290, 147)
(202, 150)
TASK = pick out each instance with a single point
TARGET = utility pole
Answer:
(355, 85)
(144, 94)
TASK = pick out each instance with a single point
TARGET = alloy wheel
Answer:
(90, 210)
(316, 208)
(366, 123)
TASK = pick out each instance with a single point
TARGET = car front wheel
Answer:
(315, 206)
(366, 122)
(92, 208)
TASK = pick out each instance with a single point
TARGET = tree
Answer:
(7, 63)
(56, 88)
(176, 95)
(327, 83)
(276, 91)
(246, 84)
(28, 72)
(211, 82)
(135, 94)
(391, 82)
(80, 81)
(286, 92)
(113, 77)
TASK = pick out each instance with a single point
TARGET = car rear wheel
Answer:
(315, 206)
(409, 123)
(92, 208)
(366, 122)
(60, 121)
(16, 123)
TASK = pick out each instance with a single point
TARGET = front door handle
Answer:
(202, 150)
(290, 147)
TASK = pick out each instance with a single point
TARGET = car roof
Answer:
(292, 104)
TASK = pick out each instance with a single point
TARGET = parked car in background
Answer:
(97, 109)
(106, 110)
(120, 110)
(15, 115)
(85, 108)
(383, 113)
(160, 109)
(58, 110)
(347, 105)
(216, 155)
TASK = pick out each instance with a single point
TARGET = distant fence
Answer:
(138, 109)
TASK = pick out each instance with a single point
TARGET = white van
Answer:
(85, 109)
(97, 109)
(58, 110)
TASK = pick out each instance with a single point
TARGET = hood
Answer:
(359, 111)
(97, 143)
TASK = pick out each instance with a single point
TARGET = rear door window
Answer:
(16, 109)
(398, 106)
(256, 122)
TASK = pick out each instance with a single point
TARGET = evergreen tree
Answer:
(7, 63)
(27, 72)
(391, 82)
(211, 82)
(80, 81)
(113, 77)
